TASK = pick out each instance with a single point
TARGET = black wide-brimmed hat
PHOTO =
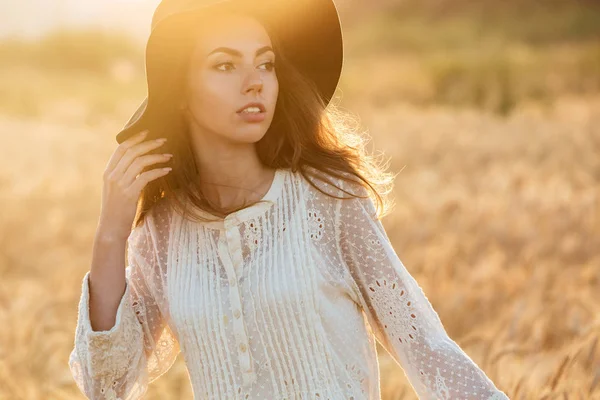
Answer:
(308, 30)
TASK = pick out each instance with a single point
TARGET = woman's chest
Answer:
(245, 274)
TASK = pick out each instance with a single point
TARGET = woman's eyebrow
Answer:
(236, 53)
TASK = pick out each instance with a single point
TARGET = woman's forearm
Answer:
(106, 280)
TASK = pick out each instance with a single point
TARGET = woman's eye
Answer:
(271, 65)
(218, 66)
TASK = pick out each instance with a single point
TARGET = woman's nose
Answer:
(253, 81)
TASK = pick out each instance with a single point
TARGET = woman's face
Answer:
(232, 65)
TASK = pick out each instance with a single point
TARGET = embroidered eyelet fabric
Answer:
(285, 299)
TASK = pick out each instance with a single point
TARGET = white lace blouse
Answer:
(281, 300)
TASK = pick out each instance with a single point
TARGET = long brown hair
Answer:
(305, 135)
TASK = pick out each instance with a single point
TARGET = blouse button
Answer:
(236, 313)
(232, 282)
(243, 347)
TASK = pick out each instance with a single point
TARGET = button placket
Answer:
(231, 253)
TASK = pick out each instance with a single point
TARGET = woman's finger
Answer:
(140, 163)
(142, 180)
(131, 154)
(122, 149)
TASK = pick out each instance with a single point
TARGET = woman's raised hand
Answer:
(124, 181)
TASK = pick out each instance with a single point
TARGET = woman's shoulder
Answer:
(154, 225)
(332, 184)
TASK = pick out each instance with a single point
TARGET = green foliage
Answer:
(421, 26)
(72, 50)
(92, 69)
(485, 54)
(485, 82)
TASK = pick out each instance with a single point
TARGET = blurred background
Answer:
(490, 111)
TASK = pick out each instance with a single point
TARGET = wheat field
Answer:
(497, 209)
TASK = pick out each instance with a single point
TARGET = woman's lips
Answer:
(252, 117)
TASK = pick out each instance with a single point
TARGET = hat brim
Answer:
(309, 30)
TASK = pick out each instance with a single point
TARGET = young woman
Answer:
(259, 256)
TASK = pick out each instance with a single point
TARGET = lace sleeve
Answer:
(118, 364)
(400, 315)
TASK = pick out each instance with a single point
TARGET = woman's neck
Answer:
(228, 191)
